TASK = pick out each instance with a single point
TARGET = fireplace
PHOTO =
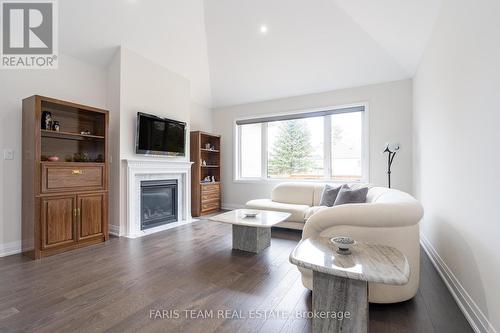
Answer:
(158, 203)
(139, 172)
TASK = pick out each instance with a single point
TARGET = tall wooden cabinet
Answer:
(205, 173)
(65, 176)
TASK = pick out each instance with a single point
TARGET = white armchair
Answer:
(389, 217)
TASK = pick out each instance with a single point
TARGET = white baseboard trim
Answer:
(8, 249)
(114, 230)
(230, 206)
(478, 321)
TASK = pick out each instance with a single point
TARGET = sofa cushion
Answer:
(294, 193)
(313, 210)
(329, 195)
(349, 195)
(298, 211)
(318, 192)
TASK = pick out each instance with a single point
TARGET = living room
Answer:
(234, 166)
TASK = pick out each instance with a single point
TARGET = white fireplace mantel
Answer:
(142, 170)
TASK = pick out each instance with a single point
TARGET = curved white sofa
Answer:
(301, 200)
(388, 217)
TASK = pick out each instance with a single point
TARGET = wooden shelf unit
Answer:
(205, 196)
(70, 136)
(65, 203)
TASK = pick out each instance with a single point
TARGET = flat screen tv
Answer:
(160, 136)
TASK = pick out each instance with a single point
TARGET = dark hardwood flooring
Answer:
(113, 287)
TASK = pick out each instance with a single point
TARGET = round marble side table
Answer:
(340, 282)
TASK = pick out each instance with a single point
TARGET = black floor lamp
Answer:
(391, 149)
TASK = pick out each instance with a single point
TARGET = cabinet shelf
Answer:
(69, 135)
(210, 150)
(209, 166)
(89, 163)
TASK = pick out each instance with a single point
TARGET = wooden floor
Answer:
(115, 287)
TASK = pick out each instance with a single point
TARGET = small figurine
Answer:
(46, 120)
(56, 126)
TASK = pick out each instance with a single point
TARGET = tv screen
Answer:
(160, 136)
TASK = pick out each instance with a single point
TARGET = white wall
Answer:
(201, 118)
(113, 102)
(390, 107)
(145, 86)
(457, 119)
(74, 81)
(151, 88)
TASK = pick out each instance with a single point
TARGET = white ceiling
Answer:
(400, 27)
(169, 32)
(311, 45)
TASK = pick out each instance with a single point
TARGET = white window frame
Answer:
(365, 147)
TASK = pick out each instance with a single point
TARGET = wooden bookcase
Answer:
(205, 195)
(65, 202)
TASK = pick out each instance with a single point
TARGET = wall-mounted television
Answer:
(160, 136)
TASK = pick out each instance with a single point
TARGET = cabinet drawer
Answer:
(74, 177)
(209, 205)
(210, 188)
(210, 195)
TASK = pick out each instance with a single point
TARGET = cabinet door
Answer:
(92, 211)
(58, 219)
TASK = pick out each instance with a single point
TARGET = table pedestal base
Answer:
(334, 297)
(251, 239)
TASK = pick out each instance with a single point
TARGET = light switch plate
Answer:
(8, 154)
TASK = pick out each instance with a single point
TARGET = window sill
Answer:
(278, 181)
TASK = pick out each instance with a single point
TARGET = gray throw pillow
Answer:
(348, 195)
(329, 195)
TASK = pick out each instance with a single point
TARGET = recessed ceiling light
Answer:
(263, 29)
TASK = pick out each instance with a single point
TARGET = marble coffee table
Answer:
(340, 282)
(251, 234)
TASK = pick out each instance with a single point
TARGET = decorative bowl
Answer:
(250, 213)
(53, 158)
(343, 243)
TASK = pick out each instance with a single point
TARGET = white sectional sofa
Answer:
(389, 217)
(299, 199)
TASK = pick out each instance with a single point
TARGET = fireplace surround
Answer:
(139, 171)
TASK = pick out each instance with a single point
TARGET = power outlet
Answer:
(8, 154)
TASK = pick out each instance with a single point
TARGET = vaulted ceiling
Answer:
(309, 46)
(169, 32)
(312, 45)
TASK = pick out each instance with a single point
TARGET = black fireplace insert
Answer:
(158, 203)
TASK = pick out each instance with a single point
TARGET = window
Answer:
(250, 152)
(346, 146)
(323, 145)
(295, 149)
